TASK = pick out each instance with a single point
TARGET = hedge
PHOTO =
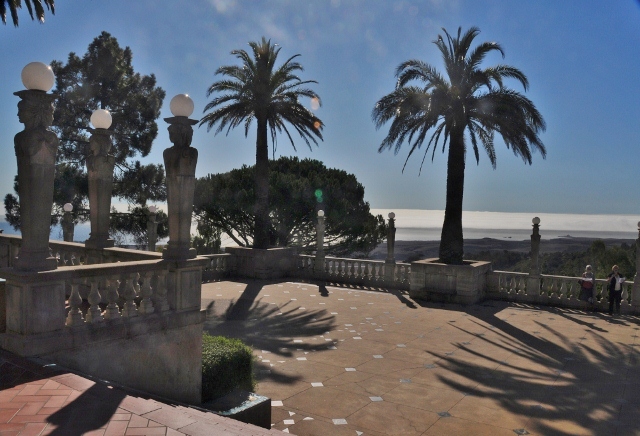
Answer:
(227, 364)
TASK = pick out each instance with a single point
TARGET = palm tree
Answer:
(259, 90)
(14, 5)
(470, 100)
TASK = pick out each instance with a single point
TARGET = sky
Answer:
(581, 58)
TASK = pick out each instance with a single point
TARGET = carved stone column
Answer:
(36, 147)
(319, 263)
(67, 224)
(533, 281)
(100, 166)
(180, 164)
(390, 261)
(635, 290)
(152, 229)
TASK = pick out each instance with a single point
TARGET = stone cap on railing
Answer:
(101, 270)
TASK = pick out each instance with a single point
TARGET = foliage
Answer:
(568, 263)
(469, 100)
(14, 5)
(270, 95)
(298, 189)
(207, 238)
(133, 224)
(227, 364)
(103, 79)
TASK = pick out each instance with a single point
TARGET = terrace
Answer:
(344, 345)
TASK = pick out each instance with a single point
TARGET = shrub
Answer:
(227, 364)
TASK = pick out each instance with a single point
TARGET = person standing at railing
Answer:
(587, 283)
(615, 289)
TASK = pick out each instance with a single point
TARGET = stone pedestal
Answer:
(180, 164)
(464, 284)
(256, 263)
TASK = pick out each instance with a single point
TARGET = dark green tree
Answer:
(32, 5)
(132, 226)
(297, 190)
(103, 79)
(259, 90)
(469, 100)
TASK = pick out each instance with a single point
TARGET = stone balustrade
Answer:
(551, 290)
(359, 272)
(217, 267)
(72, 253)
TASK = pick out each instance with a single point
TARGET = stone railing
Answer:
(218, 266)
(73, 253)
(359, 272)
(552, 290)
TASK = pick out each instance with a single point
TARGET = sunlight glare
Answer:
(315, 104)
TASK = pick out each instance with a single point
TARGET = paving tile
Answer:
(170, 417)
(146, 431)
(33, 429)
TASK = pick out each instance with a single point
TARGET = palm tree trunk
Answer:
(261, 213)
(451, 240)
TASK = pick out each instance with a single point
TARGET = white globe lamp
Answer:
(101, 119)
(535, 221)
(321, 213)
(153, 209)
(37, 76)
(392, 215)
(181, 105)
(68, 207)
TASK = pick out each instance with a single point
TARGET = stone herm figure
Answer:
(180, 165)
(100, 165)
(36, 148)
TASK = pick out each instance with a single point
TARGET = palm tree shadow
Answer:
(270, 328)
(583, 381)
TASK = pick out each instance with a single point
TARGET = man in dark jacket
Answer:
(615, 289)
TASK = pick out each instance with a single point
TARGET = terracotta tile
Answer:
(116, 428)
(11, 405)
(139, 406)
(54, 392)
(28, 418)
(31, 398)
(51, 384)
(170, 417)
(146, 431)
(49, 410)
(30, 389)
(7, 414)
(138, 421)
(31, 408)
(75, 382)
(6, 427)
(98, 432)
(121, 416)
(33, 429)
(172, 432)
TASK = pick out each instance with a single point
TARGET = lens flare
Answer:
(315, 104)
(317, 125)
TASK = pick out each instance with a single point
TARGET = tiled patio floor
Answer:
(37, 399)
(344, 361)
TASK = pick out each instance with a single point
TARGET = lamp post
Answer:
(152, 228)
(180, 164)
(533, 281)
(67, 223)
(36, 148)
(391, 239)
(319, 264)
(635, 290)
(390, 261)
(100, 166)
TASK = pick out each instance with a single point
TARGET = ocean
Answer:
(426, 225)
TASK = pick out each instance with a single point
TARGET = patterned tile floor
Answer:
(355, 362)
(40, 399)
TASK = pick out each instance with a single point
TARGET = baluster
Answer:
(520, 286)
(512, 289)
(160, 294)
(94, 314)
(74, 316)
(625, 294)
(146, 306)
(112, 311)
(128, 292)
(352, 271)
(562, 291)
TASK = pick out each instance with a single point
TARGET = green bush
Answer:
(227, 364)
